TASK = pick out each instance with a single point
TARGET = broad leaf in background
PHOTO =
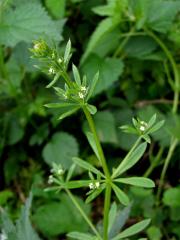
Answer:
(15, 130)
(28, 22)
(54, 218)
(140, 46)
(56, 7)
(23, 228)
(105, 27)
(154, 232)
(117, 219)
(161, 14)
(139, 9)
(110, 69)
(172, 197)
(156, 14)
(105, 124)
(60, 149)
(124, 116)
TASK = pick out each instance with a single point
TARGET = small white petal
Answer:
(97, 184)
(50, 179)
(81, 95)
(83, 89)
(142, 128)
(91, 185)
(36, 46)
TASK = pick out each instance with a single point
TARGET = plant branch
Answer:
(106, 210)
(174, 67)
(172, 147)
(154, 162)
(83, 214)
(96, 138)
(105, 169)
(124, 42)
(115, 173)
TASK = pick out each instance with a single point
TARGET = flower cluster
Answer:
(95, 185)
(56, 172)
(143, 126)
(51, 62)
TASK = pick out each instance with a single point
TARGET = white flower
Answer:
(51, 70)
(142, 128)
(50, 179)
(97, 184)
(91, 185)
(81, 95)
(60, 60)
(94, 185)
(37, 46)
(143, 123)
(83, 89)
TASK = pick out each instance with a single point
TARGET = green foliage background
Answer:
(136, 79)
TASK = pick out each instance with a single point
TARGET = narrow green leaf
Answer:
(112, 215)
(67, 51)
(86, 165)
(54, 80)
(92, 142)
(136, 228)
(70, 172)
(77, 184)
(92, 109)
(68, 113)
(76, 75)
(80, 236)
(146, 138)
(59, 105)
(123, 198)
(95, 193)
(135, 123)
(130, 160)
(122, 216)
(152, 121)
(156, 127)
(93, 85)
(128, 129)
(137, 181)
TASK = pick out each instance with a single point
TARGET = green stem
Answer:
(83, 213)
(172, 147)
(67, 79)
(96, 138)
(106, 210)
(174, 141)
(174, 67)
(106, 172)
(154, 162)
(124, 42)
(115, 173)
